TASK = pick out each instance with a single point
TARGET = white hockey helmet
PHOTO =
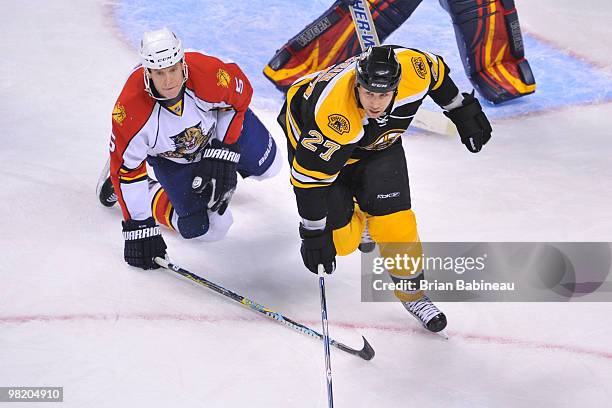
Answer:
(160, 49)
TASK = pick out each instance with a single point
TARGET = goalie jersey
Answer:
(327, 129)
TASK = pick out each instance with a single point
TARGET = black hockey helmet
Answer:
(378, 69)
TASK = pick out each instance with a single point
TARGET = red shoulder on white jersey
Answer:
(141, 127)
(222, 84)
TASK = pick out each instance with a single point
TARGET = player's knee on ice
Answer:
(205, 226)
(219, 225)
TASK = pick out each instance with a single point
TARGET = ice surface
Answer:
(72, 314)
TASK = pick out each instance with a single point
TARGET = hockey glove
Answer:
(318, 250)
(215, 176)
(472, 124)
(143, 242)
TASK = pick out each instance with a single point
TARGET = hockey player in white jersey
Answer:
(185, 114)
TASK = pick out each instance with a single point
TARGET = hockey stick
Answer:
(367, 352)
(424, 119)
(328, 372)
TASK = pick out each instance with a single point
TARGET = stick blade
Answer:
(366, 352)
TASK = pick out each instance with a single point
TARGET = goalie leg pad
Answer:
(491, 47)
(331, 39)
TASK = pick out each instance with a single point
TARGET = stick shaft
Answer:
(328, 371)
(424, 119)
(367, 353)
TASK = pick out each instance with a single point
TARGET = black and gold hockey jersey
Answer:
(327, 129)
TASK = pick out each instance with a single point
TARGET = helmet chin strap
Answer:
(147, 82)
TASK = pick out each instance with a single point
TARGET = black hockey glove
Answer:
(215, 176)
(143, 242)
(472, 124)
(318, 250)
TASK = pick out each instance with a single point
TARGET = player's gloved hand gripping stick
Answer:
(216, 175)
(143, 242)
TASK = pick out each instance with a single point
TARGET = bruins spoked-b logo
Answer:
(189, 143)
(419, 67)
(338, 123)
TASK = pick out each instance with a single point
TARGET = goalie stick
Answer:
(366, 352)
(424, 119)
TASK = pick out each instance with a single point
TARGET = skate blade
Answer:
(443, 334)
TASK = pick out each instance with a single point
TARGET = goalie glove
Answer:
(215, 175)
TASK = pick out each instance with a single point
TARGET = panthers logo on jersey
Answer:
(189, 143)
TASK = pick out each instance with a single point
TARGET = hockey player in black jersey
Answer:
(348, 168)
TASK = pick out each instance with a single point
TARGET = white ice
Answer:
(73, 314)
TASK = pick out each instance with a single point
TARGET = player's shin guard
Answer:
(491, 47)
(347, 238)
(205, 226)
(397, 237)
(331, 39)
(161, 206)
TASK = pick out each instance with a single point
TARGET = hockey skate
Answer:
(366, 245)
(106, 194)
(427, 313)
(104, 189)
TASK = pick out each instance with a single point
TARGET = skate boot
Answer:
(104, 189)
(366, 245)
(106, 193)
(427, 313)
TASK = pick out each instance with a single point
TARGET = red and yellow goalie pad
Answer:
(491, 47)
(331, 39)
(488, 36)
